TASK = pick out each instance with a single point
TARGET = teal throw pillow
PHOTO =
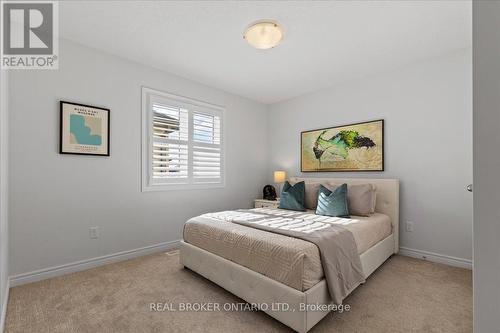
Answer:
(293, 197)
(333, 203)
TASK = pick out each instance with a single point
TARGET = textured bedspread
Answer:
(291, 261)
(339, 255)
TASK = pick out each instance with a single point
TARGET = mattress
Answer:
(291, 261)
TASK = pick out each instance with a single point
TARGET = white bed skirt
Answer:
(256, 288)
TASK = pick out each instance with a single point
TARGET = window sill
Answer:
(181, 187)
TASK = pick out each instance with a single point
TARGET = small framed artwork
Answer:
(84, 129)
(353, 147)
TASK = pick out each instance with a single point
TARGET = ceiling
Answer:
(326, 42)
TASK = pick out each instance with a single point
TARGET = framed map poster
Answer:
(84, 129)
(353, 147)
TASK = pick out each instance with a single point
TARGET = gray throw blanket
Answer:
(337, 247)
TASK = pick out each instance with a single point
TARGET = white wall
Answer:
(56, 198)
(486, 166)
(427, 109)
(4, 232)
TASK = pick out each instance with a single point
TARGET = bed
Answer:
(266, 268)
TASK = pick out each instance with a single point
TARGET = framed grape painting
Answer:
(354, 147)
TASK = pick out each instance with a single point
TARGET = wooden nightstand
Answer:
(261, 203)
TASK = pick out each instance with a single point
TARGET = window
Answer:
(182, 142)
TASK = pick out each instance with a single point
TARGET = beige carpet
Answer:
(403, 295)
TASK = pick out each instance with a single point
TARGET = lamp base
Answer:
(279, 189)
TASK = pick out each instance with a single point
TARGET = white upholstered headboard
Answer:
(387, 197)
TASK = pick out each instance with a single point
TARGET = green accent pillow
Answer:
(293, 197)
(333, 203)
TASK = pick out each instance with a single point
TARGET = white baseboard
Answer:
(5, 301)
(436, 257)
(82, 265)
(77, 266)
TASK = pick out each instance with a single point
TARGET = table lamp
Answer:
(279, 178)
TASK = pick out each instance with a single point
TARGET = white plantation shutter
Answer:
(170, 143)
(206, 148)
(183, 140)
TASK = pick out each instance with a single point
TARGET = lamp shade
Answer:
(279, 176)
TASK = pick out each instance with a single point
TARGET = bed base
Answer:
(274, 297)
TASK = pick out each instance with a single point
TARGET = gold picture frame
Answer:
(346, 148)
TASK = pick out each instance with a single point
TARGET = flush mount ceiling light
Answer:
(264, 34)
